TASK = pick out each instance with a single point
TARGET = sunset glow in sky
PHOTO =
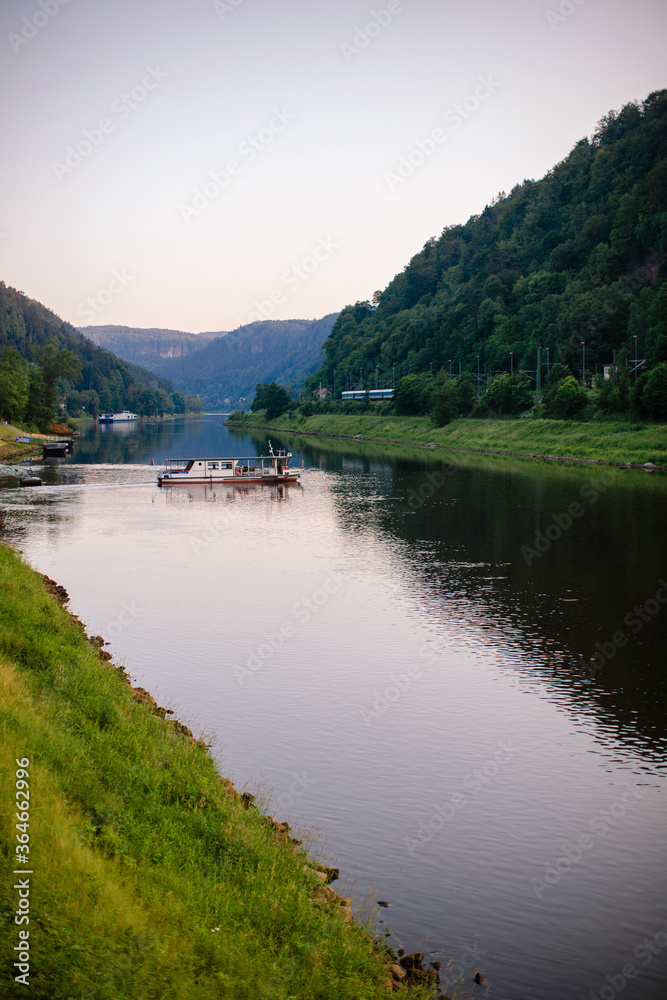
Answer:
(187, 164)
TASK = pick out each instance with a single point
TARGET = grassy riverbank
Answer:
(152, 877)
(615, 442)
(10, 451)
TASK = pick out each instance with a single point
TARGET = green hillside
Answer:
(576, 256)
(106, 382)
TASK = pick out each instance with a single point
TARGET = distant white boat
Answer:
(116, 418)
(205, 471)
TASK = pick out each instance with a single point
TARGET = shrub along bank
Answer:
(148, 875)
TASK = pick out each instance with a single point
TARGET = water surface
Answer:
(384, 648)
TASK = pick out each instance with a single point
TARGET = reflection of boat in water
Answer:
(231, 470)
(221, 493)
(116, 418)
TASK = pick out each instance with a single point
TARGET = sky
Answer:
(199, 164)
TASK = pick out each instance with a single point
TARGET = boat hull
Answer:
(176, 480)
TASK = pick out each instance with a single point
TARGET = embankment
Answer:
(146, 874)
(607, 443)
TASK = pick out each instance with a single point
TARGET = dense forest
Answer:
(226, 370)
(46, 365)
(150, 347)
(561, 277)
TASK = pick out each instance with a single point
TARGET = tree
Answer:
(466, 394)
(654, 396)
(271, 397)
(443, 404)
(412, 394)
(38, 412)
(508, 394)
(14, 384)
(569, 398)
(56, 363)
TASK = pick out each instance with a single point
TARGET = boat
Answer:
(116, 418)
(231, 470)
(57, 449)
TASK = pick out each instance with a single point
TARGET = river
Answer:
(467, 717)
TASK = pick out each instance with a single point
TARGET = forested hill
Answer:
(107, 382)
(150, 347)
(227, 369)
(577, 256)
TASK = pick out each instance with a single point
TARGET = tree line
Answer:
(578, 257)
(48, 370)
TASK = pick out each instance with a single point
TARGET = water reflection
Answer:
(465, 528)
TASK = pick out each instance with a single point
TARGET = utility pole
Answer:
(547, 362)
(634, 337)
(377, 372)
(450, 367)
(459, 368)
(537, 377)
(511, 363)
(478, 376)
(393, 376)
(583, 363)
(361, 379)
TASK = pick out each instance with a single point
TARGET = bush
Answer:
(506, 395)
(412, 395)
(273, 398)
(654, 395)
(569, 398)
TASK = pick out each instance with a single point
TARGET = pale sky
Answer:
(114, 114)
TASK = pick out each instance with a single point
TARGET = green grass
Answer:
(151, 878)
(601, 440)
(9, 449)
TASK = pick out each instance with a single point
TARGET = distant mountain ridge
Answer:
(148, 346)
(225, 366)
